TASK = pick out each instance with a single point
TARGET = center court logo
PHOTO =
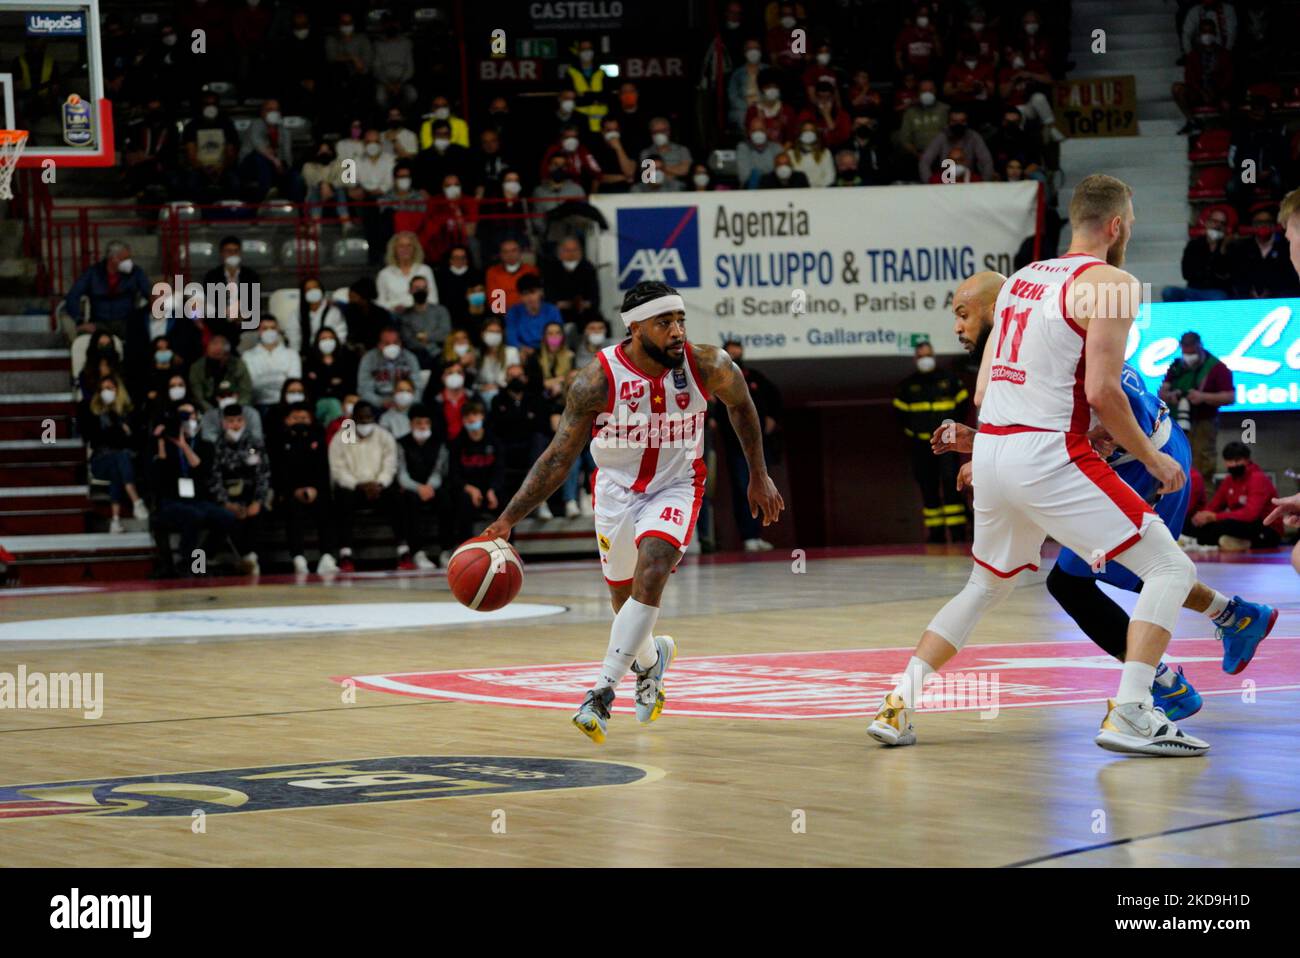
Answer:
(401, 778)
(659, 244)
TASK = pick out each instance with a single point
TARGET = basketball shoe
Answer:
(893, 723)
(1241, 627)
(1178, 701)
(594, 713)
(1139, 729)
(650, 683)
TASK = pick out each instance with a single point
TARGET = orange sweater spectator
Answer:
(504, 277)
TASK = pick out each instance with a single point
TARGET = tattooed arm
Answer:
(587, 397)
(723, 379)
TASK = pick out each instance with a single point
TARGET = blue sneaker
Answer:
(1178, 701)
(650, 683)
(1251, 624)
(594, 713)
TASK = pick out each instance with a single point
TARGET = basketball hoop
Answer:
(11, 147)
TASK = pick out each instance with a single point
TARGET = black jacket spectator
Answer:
(770, 181)
(452, 290)
(112, 293)
(476, 463)
(1260, 274)
(300, 460)
(332, 376)
(1207, 268)
(564, 287)
(223, 325)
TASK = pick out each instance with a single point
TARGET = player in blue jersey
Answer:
(1073, 582)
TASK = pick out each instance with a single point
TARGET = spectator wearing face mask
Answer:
(557, 188)
(496, 355)
(579, 165)
(316, 311)
(955, 169)
(846, 169)
(348, 406)
(164, 363)
(617, 167)
(300, 58)
(365, 318)
(655, 179)
(632, 119)
(459, 349)
(1012, 141)
(374, 178)
(218, 366)
(149, 149)
(777, 117)
(95, 355)
(425, 326)
(439, 113)
(292, 393)
(397, 139)
(550, 366)
(827, 116)
(352, 143)
(348, 55)
(240, 482)
(180, 476)
(570, 280)
(1234, 519)
(701, 181)
(527, 318)
(780, 40)
(266, 155)
(452, 219)
(979, 34)
(924, 400)
(211, 147)
(1207, 264)
(112, 287)
(322, 180)
(1207, 79)
(593, 337)
(743, 88)
(243, 289)
(957, 134)
(174, 390)
(270, 363)
(1025, 85)
(867, 145)
(506, 216)
(503, 277)
(382, 367)
(396, 419)
(364, 472)
(330, 373)
(105, 423)
(755, 155)
(676, 157)
(864, 100)
(588, 82)
(300, 475)
(422, 464)
(812, 158)
(227, 396)
(921, 124)
(488, 165)
(162, 321)
(405, 258)
(446, 398)
(783, 175)
(970, 83)
(521, 422)
(393, 66)
(918, 47)
(1030, 42)
(1195, 386)
(1262, 259)
(476, 472)
(405, 203)
(454, 279)
(441, 158)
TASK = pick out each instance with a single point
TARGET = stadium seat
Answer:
(203, 255)
(256, 253)
(1211, 183)
(277, 210)
(351, 251)
(1211, 146)
(298, 249)
(180, 210)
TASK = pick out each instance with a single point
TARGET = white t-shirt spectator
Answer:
(820, 173)
(269, 368)
(395, 286)
(375, 175)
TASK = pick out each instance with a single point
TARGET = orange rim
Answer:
(12, 136)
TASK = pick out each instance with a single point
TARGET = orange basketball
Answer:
(485, 574)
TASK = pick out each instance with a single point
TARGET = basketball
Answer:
(485, 574)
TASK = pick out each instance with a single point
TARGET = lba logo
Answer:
(659, 244)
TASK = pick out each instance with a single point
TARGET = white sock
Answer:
(1219, 605)
(1166, 676)
(913, 680)
(648, 656)
(627, 637)
(1135, 683)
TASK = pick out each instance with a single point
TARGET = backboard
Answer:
(52, 81)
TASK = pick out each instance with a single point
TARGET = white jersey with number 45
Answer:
(1036, 376)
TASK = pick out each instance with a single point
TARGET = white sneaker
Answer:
(893, 723)
(326, 565)
(300, 565)
(1137, 728)
(250, 566)
(422, 561)
(544, 512)
(758, 545)
(140, 510)
(571, 510)
(115, 526)
(584, 504)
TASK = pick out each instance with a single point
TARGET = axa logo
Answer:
(659, 244)
(400, 778)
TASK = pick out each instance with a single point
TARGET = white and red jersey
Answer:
(651, 432)
(1036, 377)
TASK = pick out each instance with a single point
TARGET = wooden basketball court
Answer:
(207, 712)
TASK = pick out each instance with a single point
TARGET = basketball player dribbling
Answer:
(1073, 583)
(1055, 358)
(643, 406)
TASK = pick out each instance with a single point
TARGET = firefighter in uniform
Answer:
(588, 83)
(924, 400)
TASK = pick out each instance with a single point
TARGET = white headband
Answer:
(663, 304)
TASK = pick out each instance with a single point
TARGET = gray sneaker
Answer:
(1137, 728)
(594, 713)
(650, 683)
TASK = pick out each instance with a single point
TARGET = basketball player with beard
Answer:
(1054, 358)
(643, 407)
(1240, 625)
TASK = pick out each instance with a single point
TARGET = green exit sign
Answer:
(536, 48)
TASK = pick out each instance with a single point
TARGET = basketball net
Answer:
(11, 147)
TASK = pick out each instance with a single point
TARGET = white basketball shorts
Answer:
(624, 518)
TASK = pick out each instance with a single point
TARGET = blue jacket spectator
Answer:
(527, 318)
(113, 285)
